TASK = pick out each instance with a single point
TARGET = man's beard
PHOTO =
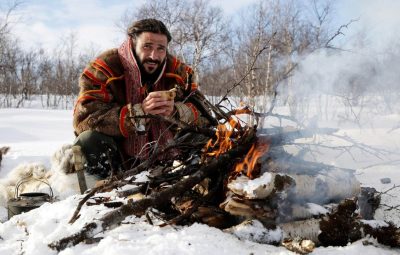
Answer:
(151, 61)
(150, 78)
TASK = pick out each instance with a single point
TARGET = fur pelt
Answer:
(60, 177)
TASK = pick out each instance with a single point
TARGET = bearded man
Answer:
(119, 87)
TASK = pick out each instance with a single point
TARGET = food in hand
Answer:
(168, 94)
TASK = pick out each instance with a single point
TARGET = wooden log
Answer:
(333, 185)
(254, 209)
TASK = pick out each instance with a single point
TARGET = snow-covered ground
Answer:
(35, 134)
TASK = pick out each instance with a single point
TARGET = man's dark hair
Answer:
(148, 25)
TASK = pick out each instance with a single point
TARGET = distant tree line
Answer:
(251, 55)
(51, 74)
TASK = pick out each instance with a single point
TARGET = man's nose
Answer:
(153, 54)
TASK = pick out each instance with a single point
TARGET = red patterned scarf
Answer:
(137, 144)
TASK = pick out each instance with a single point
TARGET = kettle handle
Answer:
(29, 179)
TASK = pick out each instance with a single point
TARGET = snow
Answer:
(253, 230)
(35, 134)
(316, 209)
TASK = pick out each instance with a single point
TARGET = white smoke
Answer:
(365, 63)
(379, 20)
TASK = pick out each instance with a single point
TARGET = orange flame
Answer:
(244, 110)
(223, 142)
(250, 160)
(225, 135)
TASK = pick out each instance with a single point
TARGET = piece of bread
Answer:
(168, 94)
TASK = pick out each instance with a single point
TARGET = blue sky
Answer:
(46, 22)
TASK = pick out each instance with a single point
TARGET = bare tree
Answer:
(60, 73)
(7, 10)
(9, 52)
(9, 63)
(286, 33)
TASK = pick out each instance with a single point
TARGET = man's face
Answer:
(151, 50)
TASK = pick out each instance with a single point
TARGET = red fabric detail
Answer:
(188, 70)
(106, 68)
(100, 69)
(175, 64)
(180, 80)
(114, 79)
(177, 77)
(106, 95)
(142, 91)
(194, 111)
(88, 74)
(122, 116)
(103, 90)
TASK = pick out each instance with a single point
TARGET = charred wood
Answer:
(342, 226)
(388, 234)
(345, 226)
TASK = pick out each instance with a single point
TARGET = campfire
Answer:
(231, 176)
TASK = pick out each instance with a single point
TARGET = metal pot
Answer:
(25, 202)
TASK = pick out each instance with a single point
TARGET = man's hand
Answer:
(157, 104)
